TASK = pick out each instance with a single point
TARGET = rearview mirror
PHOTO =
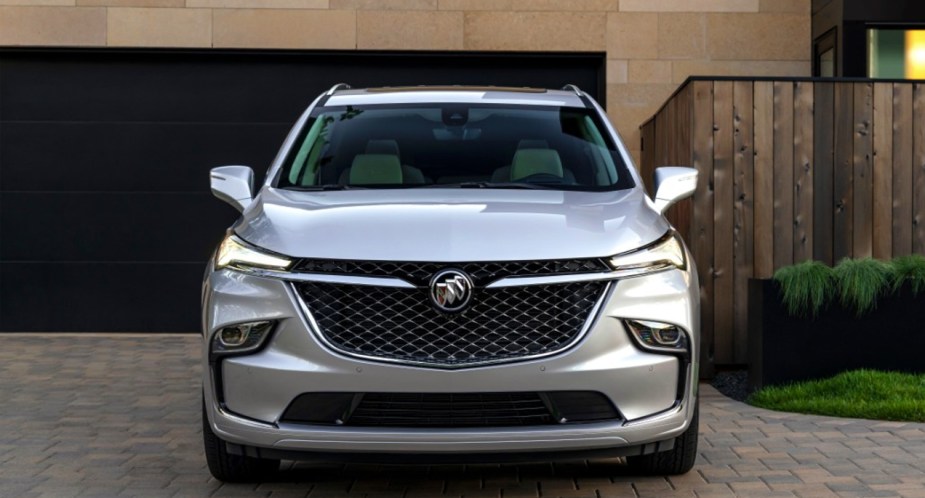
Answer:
(234, 185)
(672, 184)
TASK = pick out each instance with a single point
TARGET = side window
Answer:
(305, 164)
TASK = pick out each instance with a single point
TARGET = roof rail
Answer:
(339, 86)
(573, 88)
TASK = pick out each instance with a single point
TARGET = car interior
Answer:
(414, 147)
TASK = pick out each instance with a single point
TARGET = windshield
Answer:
(453, 145)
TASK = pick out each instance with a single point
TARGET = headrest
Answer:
(375, 169)
(535, 161)
(383, 146)
(532, 143)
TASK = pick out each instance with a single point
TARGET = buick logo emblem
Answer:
(450, 290)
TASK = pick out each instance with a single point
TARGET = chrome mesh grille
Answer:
(482, 273)
(401, 324)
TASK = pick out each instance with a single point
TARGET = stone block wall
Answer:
(651, 45)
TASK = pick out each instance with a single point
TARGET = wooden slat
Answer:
(675, 126)
(686, 109)
(723, 131)
(902, 173)
(883, 171)
(743, 211)
(843, 191)
(918, 175)
(783, 174)
(660, 140)
(764, 179)
(647, 145)
(669, 150)
(823, 169)
(802, 171)
(702, 229)
(862, 244)
(681, 156)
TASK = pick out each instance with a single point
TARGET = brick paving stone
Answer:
(713, 491)
(109, 415)
(816, 492)
(627, 492)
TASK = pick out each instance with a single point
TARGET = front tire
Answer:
(227, 467)
(676, 461)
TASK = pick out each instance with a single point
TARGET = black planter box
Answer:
(783, 348)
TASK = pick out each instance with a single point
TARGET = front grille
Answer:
(401, 324)
(450, 409)
(482, 273)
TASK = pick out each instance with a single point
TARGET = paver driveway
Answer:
(118, 415)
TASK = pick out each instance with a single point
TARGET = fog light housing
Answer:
(659, 337)
(241, 338)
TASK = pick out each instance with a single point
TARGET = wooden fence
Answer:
(790, 170)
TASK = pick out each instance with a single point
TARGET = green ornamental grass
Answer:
(856, 394)
(807, 287)
(860, 282)
(911, 270)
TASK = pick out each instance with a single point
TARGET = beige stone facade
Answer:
(651, 45)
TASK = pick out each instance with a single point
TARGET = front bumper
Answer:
(655, 393)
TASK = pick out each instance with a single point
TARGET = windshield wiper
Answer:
(532, 186)
(317, 188)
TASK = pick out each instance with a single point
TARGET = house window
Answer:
(896, 53)
(824, 63)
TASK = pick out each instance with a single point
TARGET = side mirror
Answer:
(234, 185)
(673, 184)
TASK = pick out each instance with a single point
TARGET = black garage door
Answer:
(105, 213)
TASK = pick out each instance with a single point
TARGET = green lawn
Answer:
(856, 394)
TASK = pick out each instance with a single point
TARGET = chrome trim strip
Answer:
(334, 279)
(516, 281)
(593, 316)
(671, 411)
(238, 419)
(523, 281)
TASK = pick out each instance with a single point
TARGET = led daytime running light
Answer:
(667, 252)
(236, 253)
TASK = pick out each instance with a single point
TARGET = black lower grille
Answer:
(402, 324)
(450, 409)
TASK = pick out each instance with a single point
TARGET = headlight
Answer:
(240, 338)
(659, 337)
(666, 252)
(236, 253)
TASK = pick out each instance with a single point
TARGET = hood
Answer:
(450, 225)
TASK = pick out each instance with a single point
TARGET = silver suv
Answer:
(450, 273)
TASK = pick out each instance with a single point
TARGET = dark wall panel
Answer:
(219, 86)
(102, 297)
(106, 219)
(118, 226)
(134, 156)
